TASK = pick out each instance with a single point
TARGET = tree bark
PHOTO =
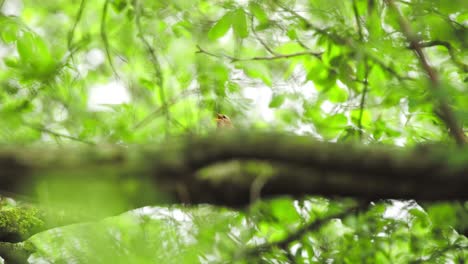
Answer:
(302, 166)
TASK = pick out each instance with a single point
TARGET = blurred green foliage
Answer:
(337, 70)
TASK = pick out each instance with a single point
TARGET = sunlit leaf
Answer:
(277, 100)
(337, 94)
(257, 70)
(239, 23)
(221, 27)
(258, 12)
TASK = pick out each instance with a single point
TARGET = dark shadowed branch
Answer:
(300, 166)
(306, 166)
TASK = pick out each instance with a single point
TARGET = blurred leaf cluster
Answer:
(120, 71)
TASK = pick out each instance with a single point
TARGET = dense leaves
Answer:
(95, 72)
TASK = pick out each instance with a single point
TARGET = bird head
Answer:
(223, 121)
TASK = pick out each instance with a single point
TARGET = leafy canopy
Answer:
(120, 71)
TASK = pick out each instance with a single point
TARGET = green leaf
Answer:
(258, 12)
(119, 5)
(277, 100)
(290, 47)
(233, 87)
(262, 26)
(337, 95)
(442, 214)
(9, 31)
(25, 46)
(239, 23)
(292, 34)
(257, 70)
(366, 117)
(283, 210)
(312, 111)
(288, 116)
(33, 49)
(221, 27)
(11, 62)
(333, 125)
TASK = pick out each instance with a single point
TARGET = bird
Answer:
(223, 121)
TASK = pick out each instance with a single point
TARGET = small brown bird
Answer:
(223, 121)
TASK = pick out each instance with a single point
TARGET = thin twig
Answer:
(434, 11)
(358, 22)
(271, 51)
(366, 71)
(104, 38)
(79, 14)
(260, 58)
(446, 114)
(339, 40)
(298, 234)
(156, 65)
(363, 97)
(56, 134)
(449, 48)
(71, 35)
(157, 111)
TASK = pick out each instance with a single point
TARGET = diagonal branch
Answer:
(160, 110)
(446, 113)
(449, 48)
(79, 14)
(104, 38)
(271, 51)
(298, 234)
(56, 134)
(155, 62)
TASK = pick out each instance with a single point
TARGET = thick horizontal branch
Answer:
(299, 166)
(306, 167)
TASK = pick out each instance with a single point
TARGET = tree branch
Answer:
(299, 166)
(366, 71)
(252, 27)
(299, 233)
(79, 14)
(104, 38)
(449, 48)
(307, 167)
(156, 65)
(159, 110)
(53, 133)
(276, 57)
